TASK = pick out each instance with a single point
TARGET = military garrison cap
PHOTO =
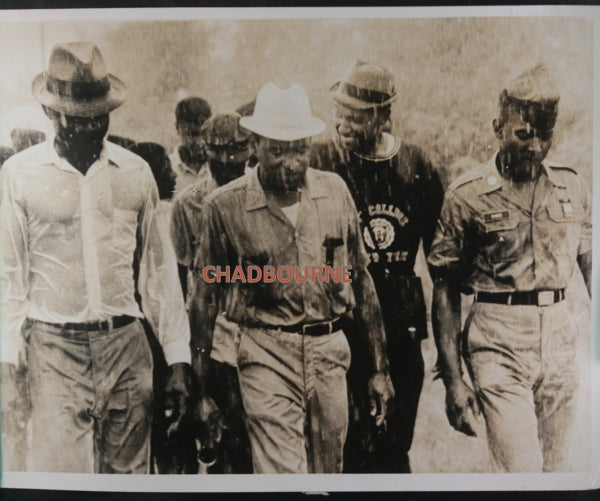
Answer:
(535, 93)
(224, 128)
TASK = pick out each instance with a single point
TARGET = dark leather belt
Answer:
(530, 298)
(308, 329)
(100, 325)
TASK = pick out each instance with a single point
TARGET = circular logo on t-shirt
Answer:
(383, 231)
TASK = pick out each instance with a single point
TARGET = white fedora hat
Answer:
(283, 114)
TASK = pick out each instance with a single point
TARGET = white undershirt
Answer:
(291, 212)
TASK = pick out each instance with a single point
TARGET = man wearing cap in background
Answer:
(511, 232)
(398, 195)
(189, 158)
(77, 212)
(228, 149)
(292, 354)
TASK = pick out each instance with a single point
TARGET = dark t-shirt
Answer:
(400, 195)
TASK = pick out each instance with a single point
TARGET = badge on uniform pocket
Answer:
(492, 217)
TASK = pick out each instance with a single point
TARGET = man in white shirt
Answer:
(189, 158)
(77, 218)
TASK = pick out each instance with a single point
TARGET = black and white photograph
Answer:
(350, 244)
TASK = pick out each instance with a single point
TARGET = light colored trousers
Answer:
(294, 393)
(523, 363)
(91, 396)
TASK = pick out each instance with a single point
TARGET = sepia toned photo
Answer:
(296, 242)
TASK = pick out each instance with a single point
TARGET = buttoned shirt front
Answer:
(186, 176)
(498, 242)
(239, 226)
(69, 242)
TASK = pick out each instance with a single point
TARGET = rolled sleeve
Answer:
(14, 271)
(161, 296)
(447, 251)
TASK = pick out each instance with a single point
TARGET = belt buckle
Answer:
(545, 298)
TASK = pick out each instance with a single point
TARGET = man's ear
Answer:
(497, 126)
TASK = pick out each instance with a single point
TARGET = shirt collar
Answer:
(492, 180)
(256, 198)
(180, 165)
(50, 157)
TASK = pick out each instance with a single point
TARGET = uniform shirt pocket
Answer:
(565, 226)
(502, 238)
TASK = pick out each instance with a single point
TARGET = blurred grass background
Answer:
(448, 73)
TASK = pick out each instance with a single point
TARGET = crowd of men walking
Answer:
(119, 356)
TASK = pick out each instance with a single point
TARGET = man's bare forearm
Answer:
(446, 327)
(585, 265)
(203, 313)
(369, 320)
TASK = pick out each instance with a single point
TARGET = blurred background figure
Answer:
(171, 452)
(159, 162)
(124, 142)
(189, 158)
(26, 126)
(228, 150)
(5, 153)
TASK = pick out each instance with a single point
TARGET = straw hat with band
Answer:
(364, 86)
(77, 83)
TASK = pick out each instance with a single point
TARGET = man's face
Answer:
(357, 129)
(227, 161)
(523, 146)
(283, 163)
(189, 134)
(79, 132)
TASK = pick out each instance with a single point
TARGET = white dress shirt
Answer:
(69, 242)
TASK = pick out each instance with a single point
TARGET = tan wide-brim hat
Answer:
(283, 114)
(77, 83)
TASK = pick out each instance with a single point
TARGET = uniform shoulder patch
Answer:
(468, 177)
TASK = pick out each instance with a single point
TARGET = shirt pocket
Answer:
(565, 226)
(124, 228)
(502, 240)
(333, 252)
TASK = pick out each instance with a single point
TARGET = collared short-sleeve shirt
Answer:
(68, 243)
(185, 221)
(497, 242)
(185, 175)
(241, 227)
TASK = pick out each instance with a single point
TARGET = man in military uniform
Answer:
(228, 150)
(511, 233)
(398, 195)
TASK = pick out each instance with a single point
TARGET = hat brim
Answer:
(84, 107)
(312, 127)
(354, 103)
